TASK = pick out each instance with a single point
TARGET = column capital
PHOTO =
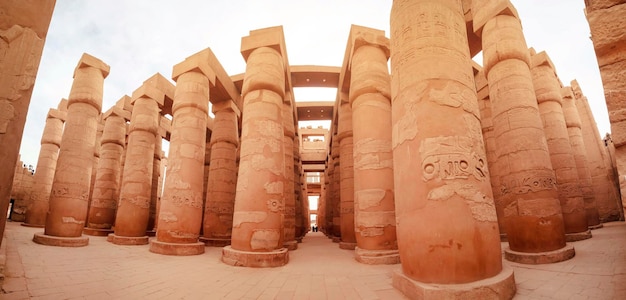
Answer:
(88, 60)
(540, 59)
(226, 105)
(363, 36)
(62, 105)
(198, 62)
(57, 114)
(157, 88)
(125, 103)
(485, 10)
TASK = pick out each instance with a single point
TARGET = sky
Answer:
(142, 37)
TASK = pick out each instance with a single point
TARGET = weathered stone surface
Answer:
(23, 30)
(369, 96)
(532, 212)
(548, 92)
(69, 198)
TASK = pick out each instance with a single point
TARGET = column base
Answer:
(549, 257)
(127, 240)
(59, 241)
(291, 245)
(347, 246)
(97, 231)
(504, 238)
(377, 257)
(176, 249)
(299, 239)
(501, 286)
(336, 239)
(33, 225)
(212, 242)
(578, 236)
(276, 258)
(593, 227)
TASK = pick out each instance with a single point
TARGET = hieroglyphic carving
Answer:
(533, 182)
(452, 158)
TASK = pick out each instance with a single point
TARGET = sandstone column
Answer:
(257, 238)
(439, 160)
(486, 123)
(580, 156)
(101, 215)
(548, 92)
(70, 188)
(602, 176)
(534, 223)
(329, 196)
(46, 165)
(222, 181)
(131, 221)
(374, 209)
(608, 33)
(289, 132)
(23, 31)
(336, 190)
(180, 215)
(301, 227)
(344, 138)
(155, 192)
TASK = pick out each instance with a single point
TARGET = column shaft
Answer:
(44, 175)
(534, 223)
(257, 238)
(289, 221)
(180, 215)
(106, 192)
(222, 181)
(374, 209)
(345, 139)
(133, 208)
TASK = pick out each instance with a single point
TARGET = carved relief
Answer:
(529, 183)
(265, 239)
(452, 158)
(275, 205)
(481, 206)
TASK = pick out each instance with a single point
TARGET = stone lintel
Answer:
(501, 286)
(226, 104)
(116, 111)
(485, 10)
(125, 103)
(540, 59)
(88, 60)
(157, 88)
(62, 105)
(57, 114)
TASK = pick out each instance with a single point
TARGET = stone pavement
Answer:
(317, 270)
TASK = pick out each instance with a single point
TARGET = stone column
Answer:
(257, 239)
(46, 165)
(222, 181)
(23, 32)
(344, 138)
(548, 92)
(289, 133)
(155, 192)
(301, 227)
(330, 196)
(602, 177)
(608, 33)
(486, 122)
(336, 190)
(180, 215)
(70, 188)
(94, 163)
(534, 223)
(440, 164)
(580, 157)
(101, 215)
(133, 211)
(375, 220)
